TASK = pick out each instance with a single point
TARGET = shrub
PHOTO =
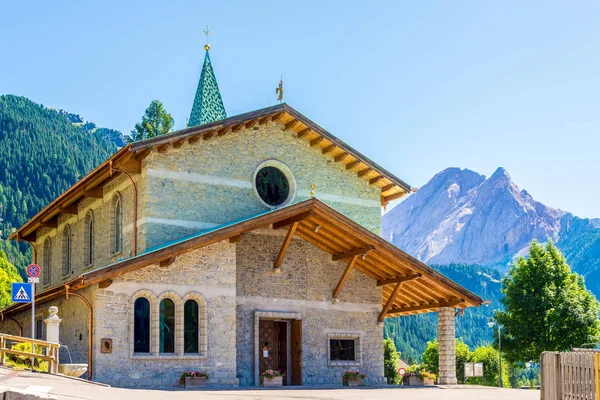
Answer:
(390, 362)
(21, 362)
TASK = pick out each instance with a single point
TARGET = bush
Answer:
(463, 355)
(491, 367)
(21, 362)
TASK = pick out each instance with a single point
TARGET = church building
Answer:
(236, 245)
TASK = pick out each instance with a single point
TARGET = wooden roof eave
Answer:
(71, 195)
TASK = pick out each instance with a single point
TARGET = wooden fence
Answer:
(51, 350)
(571, 376)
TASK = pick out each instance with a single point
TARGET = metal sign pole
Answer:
(32, 323)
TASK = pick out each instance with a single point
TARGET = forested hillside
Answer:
(42, 153)
(410, 334)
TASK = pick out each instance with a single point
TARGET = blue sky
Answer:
(418, 86)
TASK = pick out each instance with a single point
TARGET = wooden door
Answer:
(268, 341)
(296, 350)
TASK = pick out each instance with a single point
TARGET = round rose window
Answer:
(272, 186)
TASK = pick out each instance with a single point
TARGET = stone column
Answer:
(52, 325)
(447, 352)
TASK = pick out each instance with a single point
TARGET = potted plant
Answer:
(271, 378)
(417, 376)
(354, 378)
(193, 379)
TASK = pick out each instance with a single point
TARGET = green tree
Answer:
(8, 275)
(156, 121)
(431, 358)
(546, 306)
(488, 355)
(390, 362)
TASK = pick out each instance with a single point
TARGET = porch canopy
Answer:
(408, 285)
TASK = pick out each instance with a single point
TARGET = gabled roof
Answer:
(422, 288)
(128, 159)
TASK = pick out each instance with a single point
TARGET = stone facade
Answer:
(101, 210)
(206, 275)
(447, 351)
(304, 287)
(210, 183)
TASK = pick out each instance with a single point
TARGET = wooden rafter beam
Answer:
(392, 197)
(352, 253)
(352, 164)
(404, 278)
(387, 187)
(316, 141)
(223, 131)
(250, 124)
(285, 245)
(208, 135)
(364, 172)
(142, 154)
(303, 133)
(389, 303)
(105, 284)
(375, 180)
(264, 120)
(163, 148)
(236, 238)
(131, 166)
(178, 143)
(49, 224)
(73, 209)
(344, 276)
(329, 148)
(237, 127)
(340, 157)
(427, 306)
(277, 116)
(291, 220)
(194, 139)
(291, 124)
(166, 262)
(96, 193)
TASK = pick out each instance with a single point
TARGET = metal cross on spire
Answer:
(207, 32)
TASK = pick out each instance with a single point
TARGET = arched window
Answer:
(190, 327)
(67, 247)
(47, 262)
(141, 326)
(167, 326)
(88, 237)
(116, 224)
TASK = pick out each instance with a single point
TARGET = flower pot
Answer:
(428, 382)
(194, 382)
(415, 381)
(273, 382)
(356, 382)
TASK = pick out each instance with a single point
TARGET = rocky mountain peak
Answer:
(460, 216)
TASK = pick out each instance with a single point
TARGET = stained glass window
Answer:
(167, 326)
(190, 336)
(341, 350)
(141, 326)
(272, 186)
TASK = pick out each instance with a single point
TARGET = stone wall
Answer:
(210, 183)
(305, 286)
(208, 273)
(101, 210)
(73, 329)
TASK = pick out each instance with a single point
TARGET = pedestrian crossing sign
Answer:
(21, 292)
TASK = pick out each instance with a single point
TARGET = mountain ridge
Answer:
(460, 216)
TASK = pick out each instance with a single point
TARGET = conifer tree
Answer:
(390, 362)
(156, 121)
(546, 306)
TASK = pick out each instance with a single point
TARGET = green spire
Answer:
(208, 104)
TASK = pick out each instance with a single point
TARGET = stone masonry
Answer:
(304, 287)
(447, 351)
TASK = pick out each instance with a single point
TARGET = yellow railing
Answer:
(51, 350)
